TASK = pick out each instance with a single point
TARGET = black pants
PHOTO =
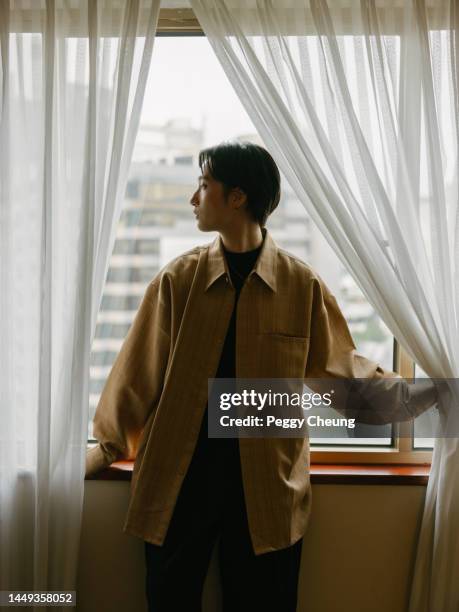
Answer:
(211, 507)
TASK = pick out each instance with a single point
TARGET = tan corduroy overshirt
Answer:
(288, 326)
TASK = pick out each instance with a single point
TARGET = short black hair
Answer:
(250, 168)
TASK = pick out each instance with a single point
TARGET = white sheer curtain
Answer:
(73, 75)
(358, 102)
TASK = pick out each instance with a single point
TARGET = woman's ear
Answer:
(238, 197)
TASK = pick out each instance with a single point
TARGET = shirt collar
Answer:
(265, 266)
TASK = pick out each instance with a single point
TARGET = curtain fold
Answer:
(357, 102)
(72, 82)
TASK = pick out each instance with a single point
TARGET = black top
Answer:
(224, 452)
(240, 265)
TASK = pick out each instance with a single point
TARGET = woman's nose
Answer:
(193, 199)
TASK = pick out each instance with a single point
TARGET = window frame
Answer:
(402, 451)
(183, 22)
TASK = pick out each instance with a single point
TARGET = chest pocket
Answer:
(282, 355)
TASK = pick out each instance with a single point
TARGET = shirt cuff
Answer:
(422, 396)
(97, 460)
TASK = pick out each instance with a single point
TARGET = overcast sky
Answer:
(193, 84)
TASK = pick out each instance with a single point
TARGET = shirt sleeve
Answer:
(135, 381)
(384, 397)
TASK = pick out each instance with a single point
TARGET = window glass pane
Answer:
(427, 421)
(157, 223)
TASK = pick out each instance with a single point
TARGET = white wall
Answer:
(357, 554)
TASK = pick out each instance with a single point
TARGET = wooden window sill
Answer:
(396, 474)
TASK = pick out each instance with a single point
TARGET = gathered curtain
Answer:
(358, 103)
(72, 81)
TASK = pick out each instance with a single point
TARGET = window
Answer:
(111, 330)
(131, 274)
(135, 245)
(103, 358)
(157, 222)
(425, 424)
(120, 303)
(132, 190)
